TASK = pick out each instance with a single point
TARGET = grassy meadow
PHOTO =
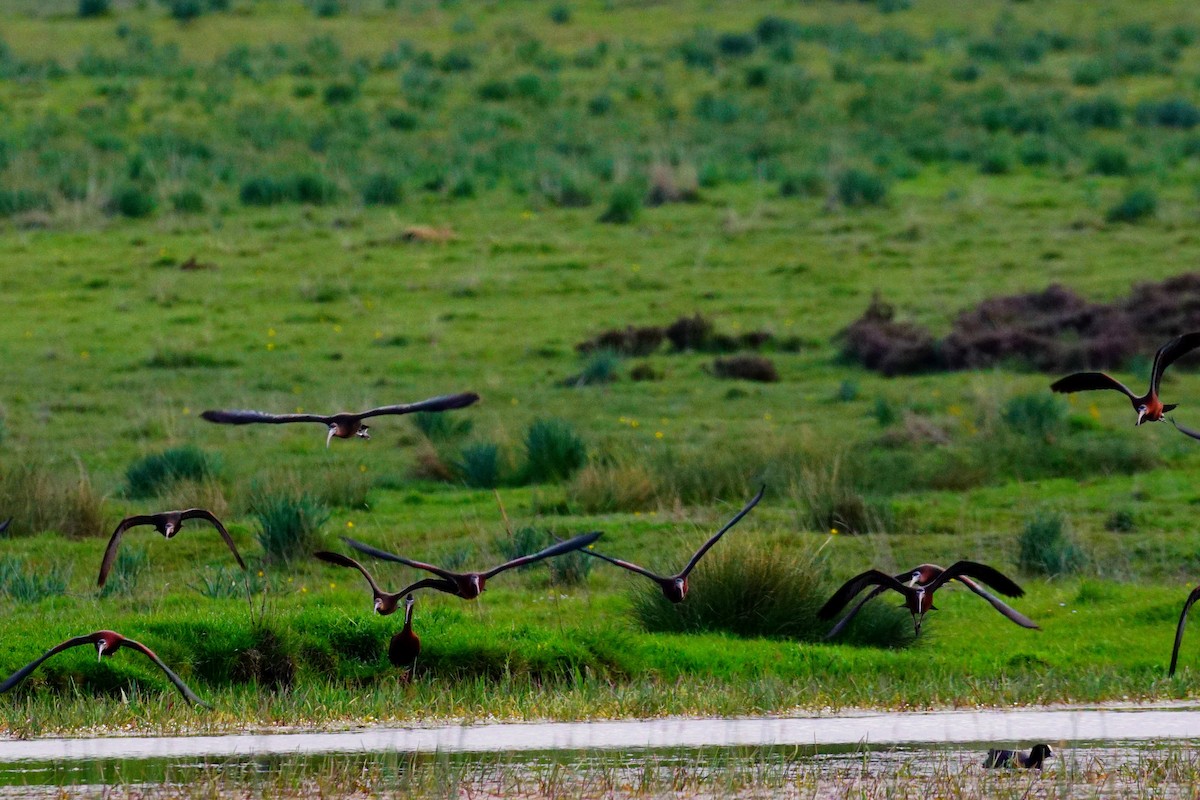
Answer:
(336, 205)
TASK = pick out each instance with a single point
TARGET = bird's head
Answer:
(170, 528)
(915, 578)
(385, 604)
(1038, 754)
(363, 432)
(1141, 412)
(476, 584)
(101, 646)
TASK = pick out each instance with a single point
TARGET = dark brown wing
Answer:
(629, 566)
(1088, 381)
(850, 588)
(972, 569)
(245, 417)
(557, 549)
(203, 513)
(1168, 353)
(175, 679)
(999, 605)
(386, 556)
(844, 621)
(1195, 595)
(23, 672)
(704, 548)
(110, 552)
(347, 561)
(1185, 430)
(446, 402)
(441, 584)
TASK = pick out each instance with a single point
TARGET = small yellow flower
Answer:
(526, 215)
(833, 531)
(186, 411)
(633, 423)
(332, 585)
(378, 334)
(337, 328)
(767, 416)
(636, 267)
(84, 354)
(270, 331)
(349, 524)
(270, 345)
(304, 589)
(1094, 411)
(658, 434)
(299, 409)
(955, 410)
(362, 467)
(513, 401)
(260, 574)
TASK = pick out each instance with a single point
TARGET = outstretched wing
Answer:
(441, 584)
(737, 518)
(1168, 353)
(175, 679)
(1088, 381)
(446, 402)
(1000, 605)
(346, 561)
(386, 556)
(1185, 430)
(844, 621)
(557, 549)
(850, 588)
(23, 672)
(110, 552)
(628, 565)
(204, 513)
(1192, 598)
(245, 417)
(982, 572)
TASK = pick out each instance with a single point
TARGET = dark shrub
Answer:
(599, 105)
(456, 60)
(1100, 112)
(1172, 113)
(93, 8)
(479, 465)
(560, 14)
(1090, 73)
(858, 188)
(736, 45)
(1110, 161)
(1046, 549)
(1135, 206)
(382, 189)
(185, 10)
(402, 120)
(340, 93)
(495, 90)
(749, 368)
(624, 205)
(154, 474)
(877, 341)
(629, 341)
(1042, 415)
(1121, 521)
(804, 184)
(996, 161)
(690, 333)
(132, 201)
(315, 189)
(644, 372)
(772, 30)
(18, 201)
(188, 201)
(265, 191)
(553, 451)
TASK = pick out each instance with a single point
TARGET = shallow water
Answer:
(1108, 724)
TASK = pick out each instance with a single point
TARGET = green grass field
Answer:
(291, 155)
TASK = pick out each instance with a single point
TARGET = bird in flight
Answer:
(385, 602)
(1148, 407)
(469, 585)
(1187, 605)
(344, 424)
(675, 587)
(168, 524)
(107, 643)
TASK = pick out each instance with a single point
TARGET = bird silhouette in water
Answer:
(405, 645)
(918, 592)
(1148, 407)
(385, 602)
(1187, 605)
(107, 643)
(343, 425)
(469, 585)
(168, 524)
(1015, 758)
(675, 587)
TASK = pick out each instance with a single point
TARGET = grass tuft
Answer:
(553, 450)
(289, 524)
(154, 474)
(1045, 547)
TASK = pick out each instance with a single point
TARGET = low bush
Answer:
(624, 205)
(690, 333)
(289, 524)
(522, 542)
(1042, 415)
(877, 341)
(1046, 549)
(153, 474)
(856, 188)
(1135, 206)
(828, 500)
(747, 368)
(1110, 161)
(479, 465)
(132, 201)
(553, 451)
(628, 341)
(382, 189)
(439, 427)
(617, 485)
(601, 367)
(188, 201)
(93, 8)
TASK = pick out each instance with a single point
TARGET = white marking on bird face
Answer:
(363, 432)
(1141, 413)
(378, 605)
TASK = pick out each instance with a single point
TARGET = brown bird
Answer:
(675, 587)
(405, 645)
(385, 602)
(1015, 758)
(469, 585)
(168, 524)
(107, 643)
(918, 593)
(1148, 407)
(344, 424)
(1187, 605)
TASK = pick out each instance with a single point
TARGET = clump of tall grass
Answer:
(601, 367)
(624, 205)
(153, 474)
(570, 569)
(623, 484)
(479, 465)
(753, 590)
(39, 498)
(347, 487)
(828, 499)
(289, 523)
(1137, 205)
(553, 451)
(28, 585)
(1039, 414)
(1046, 548)
(130, 563)
(224, 583)
(439, 427)
(522, 542)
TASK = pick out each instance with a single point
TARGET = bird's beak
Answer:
(1141, 414)
(917, 620)
(329, 436)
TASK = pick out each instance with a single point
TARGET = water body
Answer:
(1167, 722)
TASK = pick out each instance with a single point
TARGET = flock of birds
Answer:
(917, 586)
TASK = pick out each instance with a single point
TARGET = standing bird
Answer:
(168, 524)
(107, 643)
(918, 593)
(385, 602)
(343, 425)
(1187, 605)
(405, 645)
(675, 587)
(1015, 758)
(469, 585)
(1148, 407)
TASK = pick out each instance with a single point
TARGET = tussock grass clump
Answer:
(624, 205)
(857, 188)
(347, 487)
(1046, 549)
(827, 500)
(39, 498)
(27, 585)
(1137, 205)
(522, 542)
(1042, 415)
(553, 451)
(757, 591)
(225, 583)
(289, 524)
(601, 367)
(438, 427)
(152, 475)
(479, 465)
(167, 358)
(130, 563)
(621, 485)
